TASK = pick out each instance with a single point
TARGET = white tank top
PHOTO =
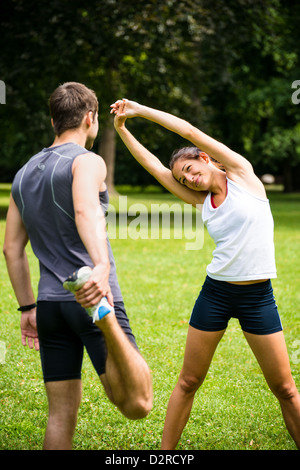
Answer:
(242, 228)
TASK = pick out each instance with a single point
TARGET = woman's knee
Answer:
(285, 390)
(189, 384)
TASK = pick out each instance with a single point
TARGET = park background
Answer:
(228, 68)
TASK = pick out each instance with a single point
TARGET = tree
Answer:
(227, 66)
(256, 46)
(112, 46)
(144, 51)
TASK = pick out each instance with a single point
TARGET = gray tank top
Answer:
(42, 191)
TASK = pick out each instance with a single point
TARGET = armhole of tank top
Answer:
(212, 197)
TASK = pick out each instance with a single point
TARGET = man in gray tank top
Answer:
(55, 204)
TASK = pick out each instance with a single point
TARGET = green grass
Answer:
(160, 280)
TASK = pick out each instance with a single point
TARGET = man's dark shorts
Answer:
(64, 329)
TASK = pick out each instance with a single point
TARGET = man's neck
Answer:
(70, 137)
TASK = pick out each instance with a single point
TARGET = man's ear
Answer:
(89, 119)
(52, 122)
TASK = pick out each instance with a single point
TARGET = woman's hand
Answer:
(124, 109)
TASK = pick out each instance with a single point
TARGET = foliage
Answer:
(227, 66)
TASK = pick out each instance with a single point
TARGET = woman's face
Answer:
(195, 173)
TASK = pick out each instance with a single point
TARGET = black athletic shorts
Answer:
(253, 304)
(64, 329)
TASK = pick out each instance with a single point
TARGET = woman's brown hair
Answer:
(187, 153)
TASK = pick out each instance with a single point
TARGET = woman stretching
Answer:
(237, 215)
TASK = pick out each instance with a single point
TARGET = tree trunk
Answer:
(107, 150)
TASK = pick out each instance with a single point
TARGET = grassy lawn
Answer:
(160, 280)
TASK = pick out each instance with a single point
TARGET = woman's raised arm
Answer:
(232, 161)
(149, 161)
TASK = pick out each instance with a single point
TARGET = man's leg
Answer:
(127, 379)
(63, 400)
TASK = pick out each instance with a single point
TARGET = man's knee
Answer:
(136, 407)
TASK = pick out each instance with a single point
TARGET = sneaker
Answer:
(75, 281)
(101, 309)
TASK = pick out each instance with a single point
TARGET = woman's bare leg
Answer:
(200, 348)
(271, 354)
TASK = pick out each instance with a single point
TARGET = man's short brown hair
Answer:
(68, 105)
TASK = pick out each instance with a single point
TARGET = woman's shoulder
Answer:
(249, 182)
